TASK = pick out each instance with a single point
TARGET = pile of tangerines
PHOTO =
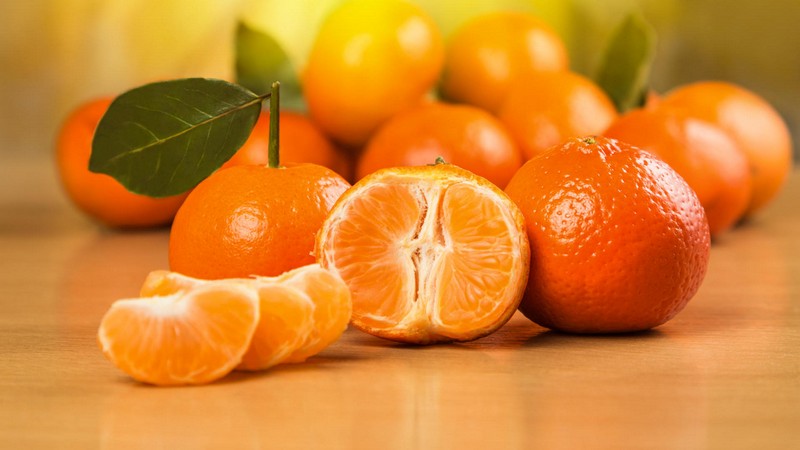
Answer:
(520, 187)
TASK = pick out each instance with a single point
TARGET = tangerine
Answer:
(370, 60)
(192, 337)
(486, 54)
(302, 311)
(430, 253)
(619, 241)
(704, 155)
(252, 220)
(462, 135)
(753, 124)
(546, 108)
(99, 195)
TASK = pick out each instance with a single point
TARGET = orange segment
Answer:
(164, 282)
(430, 253)
(286, 321)
(183, 338)
(484, 253)
(332, 307)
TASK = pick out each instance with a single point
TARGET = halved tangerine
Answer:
(430, 253)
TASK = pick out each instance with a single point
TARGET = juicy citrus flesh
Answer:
(619, 241)
(184, 338)
(185, 330)
(303, 311)
(332, 308)
(430, 253)
(286, 321)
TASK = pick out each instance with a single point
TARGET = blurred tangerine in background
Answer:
(370, 60)
(546, 108)
(463, 135)
(301, 141)
(486, 55)
(708, 159)
(99, 195)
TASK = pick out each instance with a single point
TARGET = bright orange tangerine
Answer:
(430, 253)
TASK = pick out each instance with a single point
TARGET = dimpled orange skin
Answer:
(752, 122)
(704, 155)
(370, 60)
(619, 242)
(463, 135)
(252, 220)
(546, 108)
(99, 195)
(487, 53)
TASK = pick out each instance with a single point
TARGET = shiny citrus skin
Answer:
(752, 122)
(252, 220)
(619, 241)
(301, 141)
(98, 195)
(489, 52)
(463, 135)
(370, 60)
(430, 253)
(704, 155)
(546, 108)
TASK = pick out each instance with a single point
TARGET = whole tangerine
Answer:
(619, 241)
(370, 60)
(704, 155)
(486, 54)
(463, 135)
(252, 220)
(753, 124)
(546, 108)
(99, 195)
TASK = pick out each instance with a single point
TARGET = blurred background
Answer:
(56, 54)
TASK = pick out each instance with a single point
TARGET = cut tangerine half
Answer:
(430, 253)
(189, 337)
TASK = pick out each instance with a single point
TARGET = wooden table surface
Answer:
(725, 373)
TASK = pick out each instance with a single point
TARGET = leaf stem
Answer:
(274, 154)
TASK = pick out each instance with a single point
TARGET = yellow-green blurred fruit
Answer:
(371, 59)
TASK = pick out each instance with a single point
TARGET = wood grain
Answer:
(725, 373)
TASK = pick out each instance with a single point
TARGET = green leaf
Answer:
(625, 68)
(260, 60)
(162, 139)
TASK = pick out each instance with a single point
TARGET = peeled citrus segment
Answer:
(332, 307)
(165, 282)
(191, 337)
(430, 254)
(286, 322)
